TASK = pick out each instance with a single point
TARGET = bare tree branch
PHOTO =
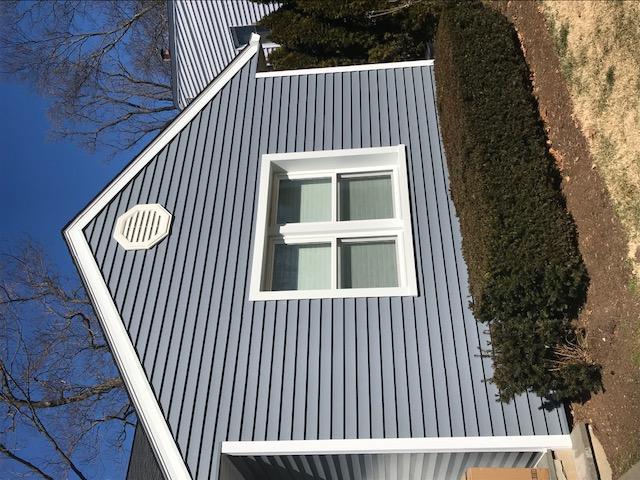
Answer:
(99, 61)
(57, 377)
(95, 390)
(33, 416)
(26, 463)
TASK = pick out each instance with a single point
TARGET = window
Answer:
(333, 224)
(242, 34)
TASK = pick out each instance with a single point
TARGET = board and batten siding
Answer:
(201, 40)
(225, 368)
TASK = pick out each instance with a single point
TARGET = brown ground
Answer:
(612, 312)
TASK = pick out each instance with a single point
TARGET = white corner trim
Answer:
(144, 400)
(142, 396)
(345, 68)
(528, 443)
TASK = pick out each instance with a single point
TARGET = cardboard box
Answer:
(506, 474)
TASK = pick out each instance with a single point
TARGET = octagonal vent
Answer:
(142, 226)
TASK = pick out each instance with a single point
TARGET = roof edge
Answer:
(360, 446)
(144, 400)
(170, 131)
(146, 405)
(345, 68)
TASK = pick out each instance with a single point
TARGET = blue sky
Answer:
(43, 185)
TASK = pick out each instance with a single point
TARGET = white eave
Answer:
(131, 369)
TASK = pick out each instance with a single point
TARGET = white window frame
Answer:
(333, 163)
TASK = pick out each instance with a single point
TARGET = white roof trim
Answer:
(153, 421)
(166, 135)
(345, 68)
(524, 443)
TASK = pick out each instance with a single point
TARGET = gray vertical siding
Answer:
(226, 368)
(202, 42)
(142, 462)
(407, 466)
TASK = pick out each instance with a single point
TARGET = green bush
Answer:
(526, 275)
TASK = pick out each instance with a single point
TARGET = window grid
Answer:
(334, 231)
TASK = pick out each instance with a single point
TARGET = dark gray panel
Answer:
(142, 461)
(226, 368)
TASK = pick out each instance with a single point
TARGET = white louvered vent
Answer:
(142, 226)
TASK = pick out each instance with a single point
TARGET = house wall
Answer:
(201, 41)
(224, 368)
(142, 462)
(407, 466)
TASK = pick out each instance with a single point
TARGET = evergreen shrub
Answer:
(322, 33)
(526, 274)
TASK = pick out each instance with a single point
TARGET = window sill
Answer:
(328, 294)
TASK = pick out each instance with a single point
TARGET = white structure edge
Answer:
(524, 443)
(144, 400)
(345, 68)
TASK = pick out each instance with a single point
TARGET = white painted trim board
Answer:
(144, 400)
(524, 443)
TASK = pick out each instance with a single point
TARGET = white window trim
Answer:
(332, 163)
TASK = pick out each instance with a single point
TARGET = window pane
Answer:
(368, 264)
(366, 197)
(301, 267)
(306, 200)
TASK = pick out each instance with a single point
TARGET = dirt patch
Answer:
(611, 316)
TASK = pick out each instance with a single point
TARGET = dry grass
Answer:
(599, 47)
(572, 353)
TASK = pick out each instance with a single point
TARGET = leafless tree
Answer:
(99, 61)
(61, 398)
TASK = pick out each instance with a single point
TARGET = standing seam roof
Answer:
(202, 43)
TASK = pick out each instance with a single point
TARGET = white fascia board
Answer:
(345, 68)
(142, 396)
(528, 443)
(165, 136)
(144, 400)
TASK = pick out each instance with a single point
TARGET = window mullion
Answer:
(334, 263)
(334, 197)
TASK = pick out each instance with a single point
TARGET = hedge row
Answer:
(526, 274)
